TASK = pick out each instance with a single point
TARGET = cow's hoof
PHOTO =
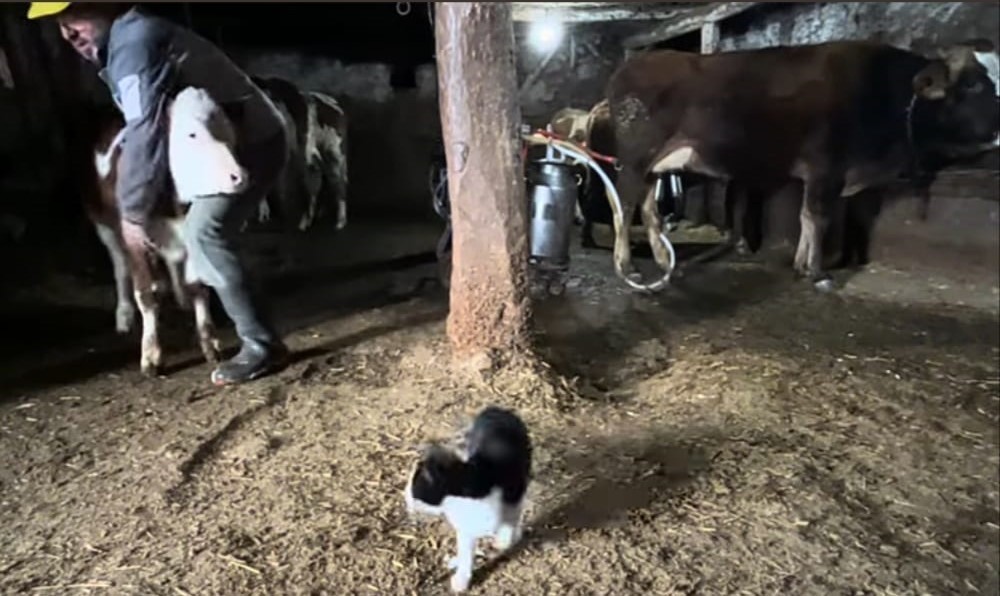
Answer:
(151, 370)
(825, 286)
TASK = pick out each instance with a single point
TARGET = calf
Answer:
(326, 159)
(316, 167)
(841, 117)
(201, 145)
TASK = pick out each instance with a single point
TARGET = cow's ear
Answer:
(932, 81)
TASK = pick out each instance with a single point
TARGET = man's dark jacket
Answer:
(145, 61)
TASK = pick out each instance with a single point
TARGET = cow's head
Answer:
(961, 92)
(202, 147)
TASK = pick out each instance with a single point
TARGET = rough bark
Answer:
(490, 308)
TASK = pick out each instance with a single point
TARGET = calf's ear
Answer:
(932, 82)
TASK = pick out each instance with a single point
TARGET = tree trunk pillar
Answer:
(480, 118)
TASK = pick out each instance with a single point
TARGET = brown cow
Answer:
(201, 143)
(841, 117)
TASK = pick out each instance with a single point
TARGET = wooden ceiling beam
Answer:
(688, 21)
(592, 12)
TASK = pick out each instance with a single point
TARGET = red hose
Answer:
(598, 156)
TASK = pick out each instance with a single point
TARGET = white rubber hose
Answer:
(614, 201)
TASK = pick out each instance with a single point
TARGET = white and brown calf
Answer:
(315, 172)
(326, 159)
(201, 144)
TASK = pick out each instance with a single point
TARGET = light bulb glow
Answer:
(545, 35)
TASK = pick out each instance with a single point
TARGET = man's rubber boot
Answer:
(262, 351)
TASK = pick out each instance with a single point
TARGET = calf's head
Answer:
(202, 147)
(961, 93)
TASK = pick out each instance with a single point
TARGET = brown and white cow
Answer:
(326, 158)
(844, 118)
(201, 143)
(316, 170)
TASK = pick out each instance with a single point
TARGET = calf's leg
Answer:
(204, 325)
(125, 308)
(151, 358)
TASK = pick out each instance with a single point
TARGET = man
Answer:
(144, 60)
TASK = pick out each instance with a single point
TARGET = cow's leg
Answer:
(819, 193)
(860, 213)
(339, 186)
(312, 181)
(204, 325)
(630, 185)
(587, 234)
(745, 229)
(125, 308)
(653, 222)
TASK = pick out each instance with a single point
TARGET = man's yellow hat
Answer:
(46, 9)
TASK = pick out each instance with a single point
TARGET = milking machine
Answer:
(553, 190)
(552, 197)
(574, 154)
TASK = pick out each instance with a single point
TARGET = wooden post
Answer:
(709, 45)
(710, 38)
(480, 118)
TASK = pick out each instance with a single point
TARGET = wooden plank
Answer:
(586, 12)
(688, 21)
(710, 38)
(480, 119)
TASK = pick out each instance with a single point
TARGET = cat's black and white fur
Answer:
(481, 491)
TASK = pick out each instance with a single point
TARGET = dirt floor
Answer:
(737, 434)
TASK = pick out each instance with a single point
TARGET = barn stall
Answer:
(734, 433)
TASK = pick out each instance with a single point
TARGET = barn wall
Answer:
(964, 214)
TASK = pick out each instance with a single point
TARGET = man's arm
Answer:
(141, 71)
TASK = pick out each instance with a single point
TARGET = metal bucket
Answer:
(552, 207)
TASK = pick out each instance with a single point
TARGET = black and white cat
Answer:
(480, 490)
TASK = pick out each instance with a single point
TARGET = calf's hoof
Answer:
(212, 351)
(124, 321)
(150, 370)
